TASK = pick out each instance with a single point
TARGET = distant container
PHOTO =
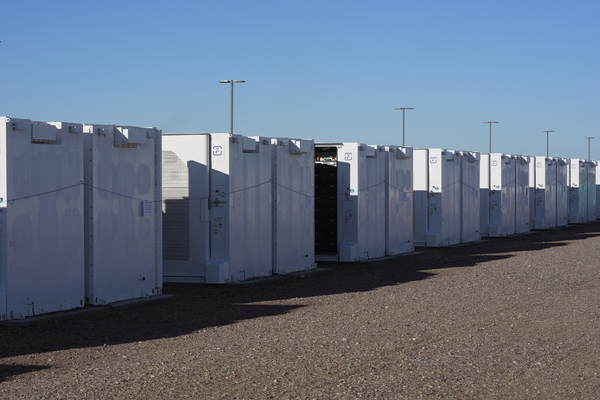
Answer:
(502, 170)
(532, 191)
(551, 192)
(597, 190)
(545, 193)
(437, 197)
(562, 192)
(41, 218)
(399, 201)
(522, 192)
(349, 201)
(582, 182)
(505, 194)
(123, 221)
(592, 195)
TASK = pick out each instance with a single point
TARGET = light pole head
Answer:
(231, 81)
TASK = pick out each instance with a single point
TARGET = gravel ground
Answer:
(510, 318)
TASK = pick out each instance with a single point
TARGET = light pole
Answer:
(490, 122)
(403, 120)
(231, 112)
(547, 143)
(588, 139)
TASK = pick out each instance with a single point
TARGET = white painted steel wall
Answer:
(582, 191)
(399, 200)
(545, 192)
(597, 190)
(469, 196)
(240, 209)
(523, 208)
(532, 192)
(577, 191)
(437, 194)
(591, 191)
(562, 192)
(484, 195)
(123, 214)
(503, 195)
(509, 206)
(293, 205)
(41, 217)
(186, 219)
(361, 217)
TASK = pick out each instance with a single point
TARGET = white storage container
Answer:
(597, 190)
(293, 205)
(545, 192)
(522, 193)
(41, 217)
(469, 196)
(123, 240)
(508, 205)
(437, 197)
(551, 192)
(562, 192)
(532, 191)
(582, 191)
(350, 201)
(186, 218)
(503, 195)
(399, 223)
(591, 191)
(577, 191)
(234, 238)
(241, 219)
(484, 195)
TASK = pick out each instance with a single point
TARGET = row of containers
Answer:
(95, 214)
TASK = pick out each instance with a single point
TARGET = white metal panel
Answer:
(123, 239)
(562, 192)
(186, 219)
(532, 191)
(293, 209)
(444, 198)
(240, 208)
(360, 223)
(3, 258)
(469, 196)
(438, 204)
(577, 192)
(371, 202)
(420, 195)
(41, 218)
(591, 191)
(399, 200)
(523, 205)
(503, 195)
(484, 195)
(595, 162)
(545, 192)
(450, 222)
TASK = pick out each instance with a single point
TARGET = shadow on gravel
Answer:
(8, 371)
(200, 307)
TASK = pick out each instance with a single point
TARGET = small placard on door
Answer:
(147, 208)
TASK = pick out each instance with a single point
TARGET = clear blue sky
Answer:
(326, 70)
